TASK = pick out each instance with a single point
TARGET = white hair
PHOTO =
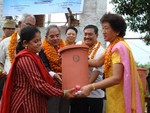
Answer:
(24, 16)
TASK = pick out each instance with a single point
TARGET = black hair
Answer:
(93, 27)
(73, 28)
(27, 33)
(116, 22)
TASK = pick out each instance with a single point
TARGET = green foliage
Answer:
(147, 66)
(137, 14)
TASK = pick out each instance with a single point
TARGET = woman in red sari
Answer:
(28, 83)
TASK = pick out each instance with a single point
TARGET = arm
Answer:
(45, 60)
(95, 72)
(47, 65)
(2, 54)
(117, 71)
(3, 74)
(29, 68)
(2, 59)
(97, 62)
(115, 79)
(94, 76)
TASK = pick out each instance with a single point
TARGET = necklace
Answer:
(108, 54)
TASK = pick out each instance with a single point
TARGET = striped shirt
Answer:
(30, 89)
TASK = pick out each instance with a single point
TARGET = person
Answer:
(29, 84)
(49, 52)
(124, 91)
(71, 35)
(9, 27)
(94, 102)
(8, 46)
(148, 80)
(52, 61)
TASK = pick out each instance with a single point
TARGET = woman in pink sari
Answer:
(124, 92)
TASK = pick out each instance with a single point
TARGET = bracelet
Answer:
(65, 92)
(93, 87)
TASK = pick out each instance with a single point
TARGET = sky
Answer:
(140, 50)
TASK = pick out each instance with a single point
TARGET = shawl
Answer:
(132, 85)
(8, 88)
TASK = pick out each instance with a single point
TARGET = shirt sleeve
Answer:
(97, 55)
(45, 60)
(116, 57)
(52, 73)
(3, 50)
(31, 71)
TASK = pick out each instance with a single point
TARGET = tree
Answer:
(137, 14)
(147, 65)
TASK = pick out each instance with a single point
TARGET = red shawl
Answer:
(8, 88)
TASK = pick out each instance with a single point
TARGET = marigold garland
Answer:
(108, 55)
(61, 43)
(52, 55)
(93, 49)
(66, 43)
(12, 46)
(3, 37)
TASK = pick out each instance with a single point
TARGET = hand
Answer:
(58, 77)
(3, 75)
(85, 91)
(69, 93)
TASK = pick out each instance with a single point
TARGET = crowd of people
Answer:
(33, 71)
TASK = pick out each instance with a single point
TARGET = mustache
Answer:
(87, 39)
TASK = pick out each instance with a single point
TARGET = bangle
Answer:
(93, 87)
(65, 92)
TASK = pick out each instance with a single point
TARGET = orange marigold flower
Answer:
(52, 55)
(108, 55)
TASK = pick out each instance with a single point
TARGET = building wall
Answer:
(1, 17)
(92, 12)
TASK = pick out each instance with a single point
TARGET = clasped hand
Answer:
(83, 92)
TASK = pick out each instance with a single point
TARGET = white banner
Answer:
(36, 7)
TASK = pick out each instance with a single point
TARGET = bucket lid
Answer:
(72, 47)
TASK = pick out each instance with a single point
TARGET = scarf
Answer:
(9, 85)
(132, 87)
